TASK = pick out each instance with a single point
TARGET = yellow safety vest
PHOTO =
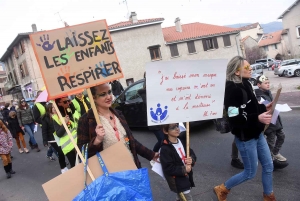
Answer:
(77, 105)
(65, 141)
(41, 108)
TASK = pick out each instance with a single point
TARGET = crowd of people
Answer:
(247, 122)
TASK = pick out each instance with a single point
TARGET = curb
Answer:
(295, 107)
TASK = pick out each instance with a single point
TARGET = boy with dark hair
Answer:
(177, 168)
(274, 133)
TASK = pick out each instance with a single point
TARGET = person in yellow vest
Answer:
(71, 117)
(39, 110)
(81, 103)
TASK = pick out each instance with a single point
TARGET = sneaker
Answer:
(152, 162)
(64, 170)
(279, 157)
(21, 151)
(279, 164)
(237, 163)
(51, 158)
(26, 150)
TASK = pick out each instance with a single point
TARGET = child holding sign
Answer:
(176, 167)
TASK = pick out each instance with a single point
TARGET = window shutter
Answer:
(191, 47)
(226, 40)
(16, 52)
(204, 44)
(152, 54)
(215, 43)
(22, 46)
(174, 50)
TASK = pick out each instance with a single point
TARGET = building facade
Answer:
(291, 22)
(253, 30)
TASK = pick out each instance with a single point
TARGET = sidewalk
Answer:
(290, 98)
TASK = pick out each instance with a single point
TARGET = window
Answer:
(298, 31)
(191, 46)
(129, 81)
(275, 46)
(227, 41)
(266, 48)
(132, 92)
(174, 50)
(155, 53)
(15, 75)
(210, 43)
(24, 70)
(16, 52)
(22, 46)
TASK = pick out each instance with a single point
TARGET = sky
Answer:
(17, 16)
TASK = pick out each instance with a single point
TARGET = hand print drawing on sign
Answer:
(46, 45)
(65, 71)
(104, 71)
(159, 115)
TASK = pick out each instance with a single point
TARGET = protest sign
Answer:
(68, 185)
(185, 91)
(76, 57)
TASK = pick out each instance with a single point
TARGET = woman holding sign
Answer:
(114, 128)
(247, 119)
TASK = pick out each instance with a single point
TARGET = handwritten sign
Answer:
(185, 91)
(76, 57)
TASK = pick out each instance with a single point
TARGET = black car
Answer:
(133, 106)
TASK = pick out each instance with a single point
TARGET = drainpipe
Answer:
(236, 42)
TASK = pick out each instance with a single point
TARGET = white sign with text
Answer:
(185, 91)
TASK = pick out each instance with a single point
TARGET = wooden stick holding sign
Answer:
(187, 139)
(72, 139)
(275, 100)
(93, 106)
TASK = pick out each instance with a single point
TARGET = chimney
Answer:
(178, 25)
(133, 17)
(34, 29)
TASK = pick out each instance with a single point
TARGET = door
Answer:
(134, 109)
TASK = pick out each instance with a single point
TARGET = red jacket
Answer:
(88, 123)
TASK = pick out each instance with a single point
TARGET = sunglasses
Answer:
(104, 94)
(246, 67)
(174, 127)
(66, 101)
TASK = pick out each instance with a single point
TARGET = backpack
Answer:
(222, 124)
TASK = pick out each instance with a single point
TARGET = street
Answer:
(212, 168)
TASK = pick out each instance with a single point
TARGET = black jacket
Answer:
(245, 124)
(116, 87)
(5, 113)
(14, 127)
(47, 129)
(268, 96)
(37, 114)
(174, 170)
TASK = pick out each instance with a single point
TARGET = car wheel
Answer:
(253, 81)
(280, 75)
(297, 73)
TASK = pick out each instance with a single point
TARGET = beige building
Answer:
(24, 75)
(275, 44)
(291, 22)
(253, 30)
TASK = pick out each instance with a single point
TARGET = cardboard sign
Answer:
(185, 91)
(76, 57)
(68, 185)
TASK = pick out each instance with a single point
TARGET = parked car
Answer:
(257, 69)
(292, 70)
(134, 108)
(278, 62)
(280, 69)
(266, 62)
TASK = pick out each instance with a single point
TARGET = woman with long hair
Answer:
(114, 128)
(48, 135)
(247, 121)
(26, 121)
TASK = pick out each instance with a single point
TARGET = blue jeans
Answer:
(29, 128)
(251, 151)
(51, 150)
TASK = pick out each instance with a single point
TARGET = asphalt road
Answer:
(212, 168)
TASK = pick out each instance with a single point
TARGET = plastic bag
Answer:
(35, 128)
(125, 185)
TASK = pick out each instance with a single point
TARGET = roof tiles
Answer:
(250, 26)
(270, 38)
(129, 23)
(194, 31)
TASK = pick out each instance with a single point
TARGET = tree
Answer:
(254, 53)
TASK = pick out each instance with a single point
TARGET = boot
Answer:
(37, 148)
(10, 168)
(221, 191)
(8, 175)
(270, 197)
